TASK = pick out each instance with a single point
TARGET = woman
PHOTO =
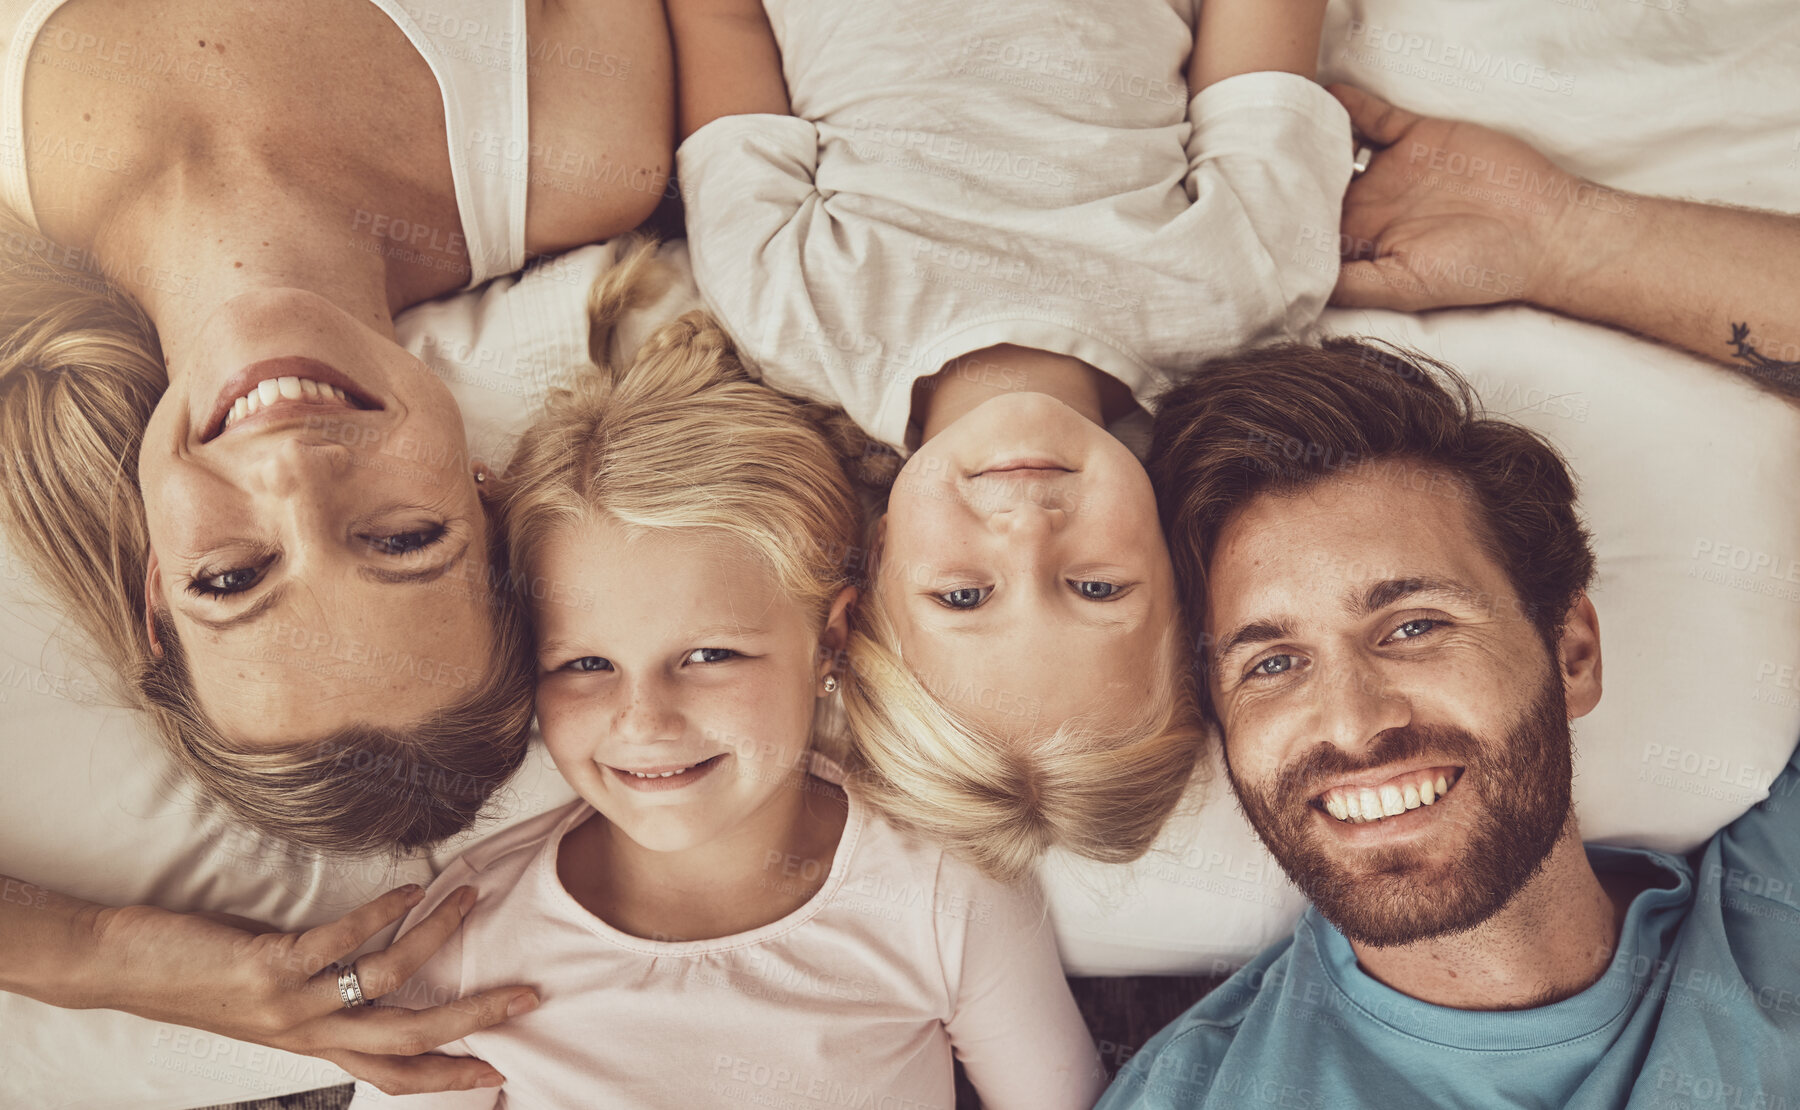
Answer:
(259, 506)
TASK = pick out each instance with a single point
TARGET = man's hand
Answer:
(1448, 214)
(1453, 214)
(243, 979)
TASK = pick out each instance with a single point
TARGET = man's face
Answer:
(1395, 729)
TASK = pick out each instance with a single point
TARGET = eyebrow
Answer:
(408, 577)
(1249, 635)
(1377, 597)
(974, 622)
(1384, 593)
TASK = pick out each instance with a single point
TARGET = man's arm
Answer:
(726, 61)
(1250, 36)
(1455, 214)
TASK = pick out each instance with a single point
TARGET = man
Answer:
(1396, 635)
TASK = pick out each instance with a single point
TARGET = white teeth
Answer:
(662, 774)
(1358, 805)
(1371, 802)
(281, 389)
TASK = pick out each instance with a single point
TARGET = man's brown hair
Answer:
(1281, 419)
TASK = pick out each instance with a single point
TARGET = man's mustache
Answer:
(1325, 764)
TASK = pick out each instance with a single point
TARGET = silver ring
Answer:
(350, 988)
(1361, 161)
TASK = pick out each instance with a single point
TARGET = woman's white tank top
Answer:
(475, 48)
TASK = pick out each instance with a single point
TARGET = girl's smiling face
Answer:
(676, 693)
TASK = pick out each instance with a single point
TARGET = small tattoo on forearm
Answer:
(1779, 375)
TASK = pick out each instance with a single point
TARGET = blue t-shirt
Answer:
(1700, 1008)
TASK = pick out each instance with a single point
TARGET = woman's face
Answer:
(323, 558)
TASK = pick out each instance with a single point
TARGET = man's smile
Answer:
(1358, 802)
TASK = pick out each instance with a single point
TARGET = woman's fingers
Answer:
(332, 942)
(1373, 118)
(384, 971)
(411, 1075)
(398, 1031)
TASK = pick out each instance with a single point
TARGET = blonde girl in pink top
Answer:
(719, 920)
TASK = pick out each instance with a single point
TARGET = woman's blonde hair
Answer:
(81, 370)
(1099, 790)
(680, 436)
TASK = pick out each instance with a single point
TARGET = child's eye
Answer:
(1098, 591)
(710, 655)
(964, 597)
(588, 663)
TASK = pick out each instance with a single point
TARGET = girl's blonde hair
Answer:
(1101, 791)
(81, 370)
(680, 436)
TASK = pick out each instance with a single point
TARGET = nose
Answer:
(1033, 514)
(649, 713)
(1360, 705)
(292, 467)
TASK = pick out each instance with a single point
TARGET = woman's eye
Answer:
(224, 584)
(588, 663)
(1413, 629)
(1274, 665)
(965, 597)
(710, 655)
(404, 543)
(1097, 591)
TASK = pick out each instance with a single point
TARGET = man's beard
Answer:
(1514, 799)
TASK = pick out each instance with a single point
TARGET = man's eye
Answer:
(588, 663)
(1413, 629)
(224, 584)
(404, 543)
(1097, 591)
(965, 597)
(1274, 665)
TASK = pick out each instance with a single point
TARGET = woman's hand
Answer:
(1449, 214)
(244, 979)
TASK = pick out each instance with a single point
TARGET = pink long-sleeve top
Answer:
(857, 999)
